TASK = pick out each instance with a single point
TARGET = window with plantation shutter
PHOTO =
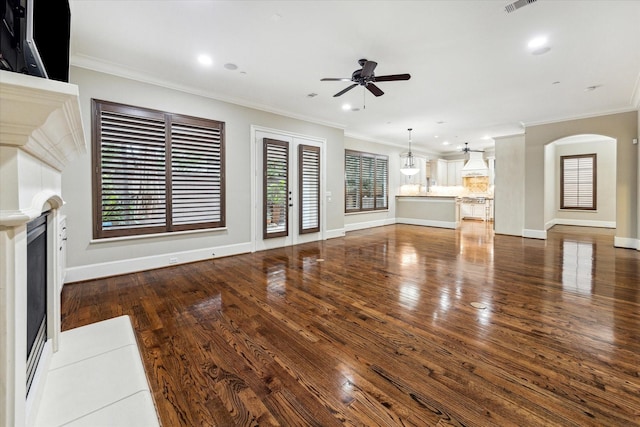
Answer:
(309, 186)
(578, 182)
(382, 179)
(366, 181)
(275, 188)
(155, 172)
(352, 181)
(196, 174)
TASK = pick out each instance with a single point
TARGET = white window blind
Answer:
(309, 185)
(578, 182)
(155, 172)
(352, 181)
(366, 181)
(382, 179)
(275, 188)
(196, 175)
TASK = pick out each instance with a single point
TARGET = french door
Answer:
(288, 203)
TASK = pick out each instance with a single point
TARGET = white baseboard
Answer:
(534, 234)
(369, 224)
(626, 242)
(427, 223)
(113, 268)
(332, 234)
(584, 223)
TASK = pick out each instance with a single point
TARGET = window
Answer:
(155, 172)
(309, 186)
(366, 181)
(578, 182)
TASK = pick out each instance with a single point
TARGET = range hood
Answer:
(475, 166)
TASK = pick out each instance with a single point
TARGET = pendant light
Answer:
(409, 167)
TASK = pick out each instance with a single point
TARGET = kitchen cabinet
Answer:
(441, 172)
(447, 172)
(471, 209)
(454, 172)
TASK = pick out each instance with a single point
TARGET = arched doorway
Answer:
(556, 153)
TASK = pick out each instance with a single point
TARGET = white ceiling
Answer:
(469, 61)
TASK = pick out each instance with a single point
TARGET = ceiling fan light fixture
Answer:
(409, 167)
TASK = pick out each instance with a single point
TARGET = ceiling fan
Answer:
(365, 77)
(466, 149)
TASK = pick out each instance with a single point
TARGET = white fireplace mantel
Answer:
(40, 133)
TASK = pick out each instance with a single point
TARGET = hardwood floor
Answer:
(380, 328)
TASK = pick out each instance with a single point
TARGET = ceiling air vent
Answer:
(517, 5)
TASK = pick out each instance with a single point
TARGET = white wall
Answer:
(605, 214)
(87, 258)
(509, 192)
(551, 190)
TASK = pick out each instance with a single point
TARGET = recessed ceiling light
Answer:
(591, 88)
(557, 82)
(230, 66)
(486, 137)
(537, 42)
(539, 45)
(346, 107)
(445, 142)
(244, 73)
(440, 122)
(205, 59)
(435, 136)
(312, 95)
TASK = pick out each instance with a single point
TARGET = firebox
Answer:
(36, 293)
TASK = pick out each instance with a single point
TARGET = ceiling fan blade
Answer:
(332, 79)
(367, 68)
(392, 77)
(343, 91)
(374, 89)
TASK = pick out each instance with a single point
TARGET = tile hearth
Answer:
(97, 379)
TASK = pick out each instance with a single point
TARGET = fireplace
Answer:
(40, 133)
(36, 293)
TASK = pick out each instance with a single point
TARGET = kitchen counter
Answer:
(431, 211)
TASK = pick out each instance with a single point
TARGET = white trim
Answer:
(584, 223)
(428, 223)
(106, 67)
(635, 96)
(257, 205)
(113, 268)
(41, 202)
(534, 234)
(333, 234)
(549, 224)
(580, 117)
(366, 212)
(150, 236)
(626, 242)
(38, 385)
(369, 224)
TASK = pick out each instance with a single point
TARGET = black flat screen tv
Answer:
(35, 37)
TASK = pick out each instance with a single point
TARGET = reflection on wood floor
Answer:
(378, 328)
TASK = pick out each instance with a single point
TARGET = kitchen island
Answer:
(431, 211)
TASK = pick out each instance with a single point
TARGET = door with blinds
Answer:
(288, 187)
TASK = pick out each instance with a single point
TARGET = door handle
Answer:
(290, 205)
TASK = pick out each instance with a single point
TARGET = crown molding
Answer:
(94, 64)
